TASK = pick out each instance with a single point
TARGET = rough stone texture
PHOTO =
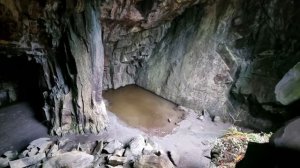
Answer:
(65, 39)
(73, 159)
(288, 88)
(226, 57)
(223, 56)
(132, 30)
(27, 161)
(186, 68)
(153, 161)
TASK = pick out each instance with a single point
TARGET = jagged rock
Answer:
(3, 162)
(112, 146)
(100, 160)
(153, 161)
(116, 160)
(33, 151)
(53, 151)
(24, 153)
(38, 142)
(72, 159)
(98, 149)
(27, 161)
(288, 88)
(148, 149)
(87, 147)
(128, 154)
(136, 145)
(11, 155)
(119, 152)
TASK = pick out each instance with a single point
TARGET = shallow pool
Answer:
(144, 110)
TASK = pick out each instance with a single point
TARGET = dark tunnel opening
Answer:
(20, 82)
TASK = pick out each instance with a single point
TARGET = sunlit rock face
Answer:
(65, 39)
(225, 57)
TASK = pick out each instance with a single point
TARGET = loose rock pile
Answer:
(139, 152)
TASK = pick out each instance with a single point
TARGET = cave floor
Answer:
(192, 139)
(19, 126)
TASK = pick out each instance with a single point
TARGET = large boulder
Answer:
(288, 136)
(153, 161)
(73, 159)
(288, 88)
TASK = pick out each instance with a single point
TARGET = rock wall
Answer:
(65, 39)
(186, 67)
(225, 57)
(131, 30)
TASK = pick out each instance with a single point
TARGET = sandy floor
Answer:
(18, 127)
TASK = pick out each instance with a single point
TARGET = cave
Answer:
(21, 83)
(141, 83)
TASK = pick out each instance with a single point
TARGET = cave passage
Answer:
(21, 115)
(19, 82)
(144, 110)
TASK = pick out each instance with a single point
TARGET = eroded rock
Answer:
(27, 161)
(72, 159)
(153, 161)
(112, 146)
(288, 88)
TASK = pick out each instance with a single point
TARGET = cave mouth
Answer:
(20, 82)
(143, 109)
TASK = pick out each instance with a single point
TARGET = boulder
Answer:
(33, 151)
(288, 136)
(39, 145)
(27, 161)
(3, 162)
(288, 88)
(72, 159)
(119, 152)
(112, 146)
(153, 161)
(53, 151)
(11, 155)
(115, 160)
(136, 145)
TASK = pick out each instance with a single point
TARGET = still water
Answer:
(142, 109)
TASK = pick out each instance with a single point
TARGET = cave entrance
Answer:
(144, 110)
(21, 101)
(19, 82)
